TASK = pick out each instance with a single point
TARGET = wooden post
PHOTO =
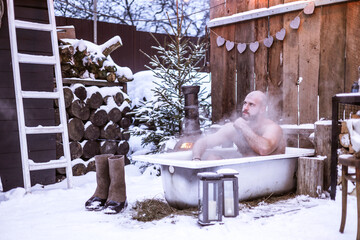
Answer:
(323, 148)
(310, 176)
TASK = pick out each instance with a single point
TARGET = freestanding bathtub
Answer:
(258, 176)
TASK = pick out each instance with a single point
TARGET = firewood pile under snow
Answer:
(84, 59)
(97, 124)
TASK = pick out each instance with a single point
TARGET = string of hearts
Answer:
(253, 46)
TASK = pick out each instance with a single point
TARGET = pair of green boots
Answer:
(110, 193)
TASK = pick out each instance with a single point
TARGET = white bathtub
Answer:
(258, 176)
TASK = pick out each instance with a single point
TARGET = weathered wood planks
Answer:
(332, 56)
(323, 51)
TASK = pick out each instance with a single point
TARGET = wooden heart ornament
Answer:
(241, 47)
(309, 9)
(229, 45)
(280, 35)
(220, 41)
(294, 24)
(268, 41)
(254, 46)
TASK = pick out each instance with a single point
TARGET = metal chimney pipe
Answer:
(191, 120)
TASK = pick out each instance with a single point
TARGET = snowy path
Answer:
(55, 213)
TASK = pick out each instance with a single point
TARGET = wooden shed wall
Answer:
(324, 51)
(38, 112)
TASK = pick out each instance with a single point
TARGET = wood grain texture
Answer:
(222, 65)
(309, 62)
(245, 62)
(310, 176)
(352, 44)
(332, 56)
(290, 70)
(275, 66)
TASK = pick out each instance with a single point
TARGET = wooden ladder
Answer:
(17, 58)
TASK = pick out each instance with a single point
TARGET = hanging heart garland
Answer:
(294, 24)
(309, 9)
(280, 35)
(268, 41)
(254, 46)
(229, 45)
(220, 41)
(241, 47)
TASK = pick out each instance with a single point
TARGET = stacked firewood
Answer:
(84, 59)
(345, 141)
(97, 123)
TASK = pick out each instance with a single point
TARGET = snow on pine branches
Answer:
(177, 64)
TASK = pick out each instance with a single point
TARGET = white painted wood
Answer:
(36, 59)
(27, 164)
(47, 165)
(32, 26)
(45, 95)
(265, 12)
(43, 130)
(59, 86)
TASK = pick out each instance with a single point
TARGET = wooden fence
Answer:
(129, 54)
(324, 51)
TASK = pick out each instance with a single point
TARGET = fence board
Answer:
(245, 61)
(222, 68)
(261, 55)
(290, 70)
(275, 82)
(352, 44)
(332, 57)
(309, 62)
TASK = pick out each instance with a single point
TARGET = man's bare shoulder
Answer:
(270, 123)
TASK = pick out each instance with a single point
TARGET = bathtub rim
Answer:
(163, 158)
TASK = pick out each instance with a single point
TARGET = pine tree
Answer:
(177, 65)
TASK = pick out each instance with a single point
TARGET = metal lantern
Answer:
(230, 192)
(210, 198)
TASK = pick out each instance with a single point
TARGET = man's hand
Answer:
(240, 123)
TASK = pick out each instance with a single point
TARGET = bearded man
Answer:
(253, 133)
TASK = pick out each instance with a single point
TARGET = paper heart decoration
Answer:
(309, 9)
(241, 47)
(294, 24)
(268, 41)
(280, 35)
(254, 46)
(229, 45)
(220, 41)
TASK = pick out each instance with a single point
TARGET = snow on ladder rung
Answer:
(47, 165)
(33, 25)
(42, 129)
(36, 59)
(46, 95)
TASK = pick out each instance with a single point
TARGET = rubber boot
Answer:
(116, 201)
(97, 201)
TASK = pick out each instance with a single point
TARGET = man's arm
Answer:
(212, 140)
(264, 144)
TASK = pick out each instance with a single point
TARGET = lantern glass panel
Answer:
(201, 203)
(229, 198)
(212, 204)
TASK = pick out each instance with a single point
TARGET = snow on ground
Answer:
(55, 212)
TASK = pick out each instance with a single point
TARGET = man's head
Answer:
(254, 105)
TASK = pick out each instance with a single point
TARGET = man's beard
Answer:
(246, 115)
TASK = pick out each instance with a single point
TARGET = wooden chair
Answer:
(346, 161)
